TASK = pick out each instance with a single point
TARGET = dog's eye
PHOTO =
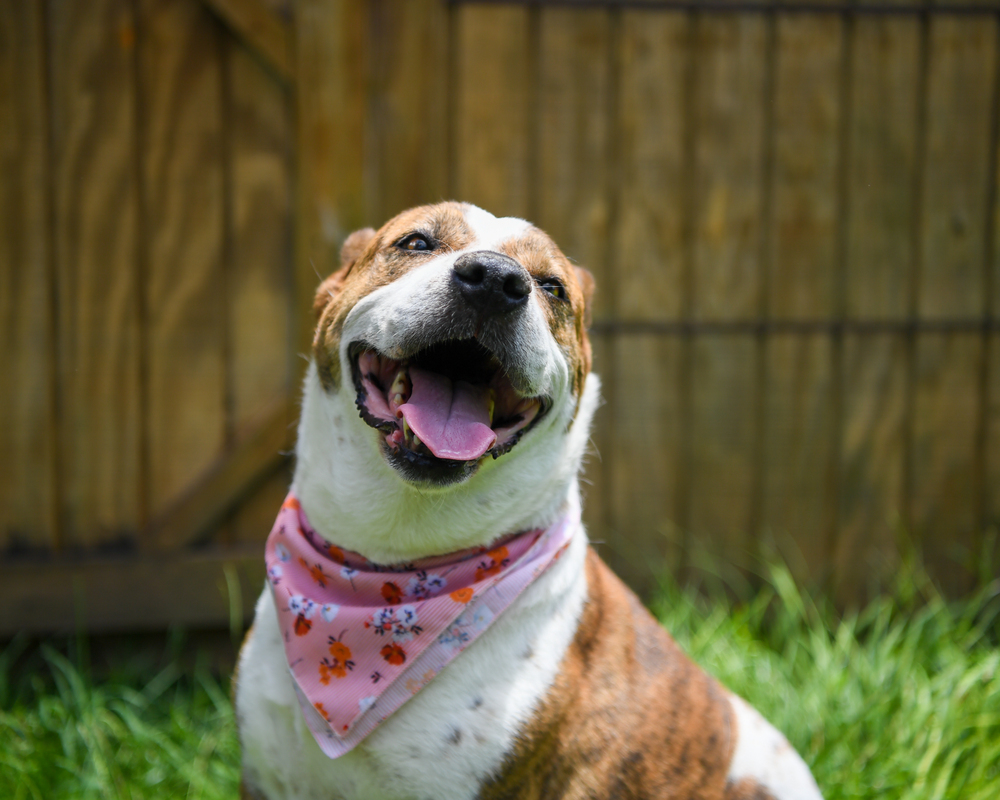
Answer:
(554, 287)
(415, 242)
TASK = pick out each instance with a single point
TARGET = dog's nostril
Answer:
(517, 286)
(470, 272)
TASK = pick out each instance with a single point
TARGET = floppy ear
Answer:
(354, 246)
(586, 281)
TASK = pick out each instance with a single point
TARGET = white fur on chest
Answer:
(445, 741)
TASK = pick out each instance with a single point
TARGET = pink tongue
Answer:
(452, 419)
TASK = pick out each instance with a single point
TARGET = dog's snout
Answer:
(491, 282)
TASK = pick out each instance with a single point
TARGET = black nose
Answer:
(491, 282)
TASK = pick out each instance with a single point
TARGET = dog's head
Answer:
(451, 345)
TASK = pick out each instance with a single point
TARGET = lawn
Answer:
(900, 700)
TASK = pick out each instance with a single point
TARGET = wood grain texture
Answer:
(729, 128)
(573, 183)
(643, 537)
(872, 452)
(407, 108)
(807, 118)
(129, 594)
(493, 108)
(182, 91)
(960, 92)
(262, 29)
(649, 256)
(881, 178)
(331, 82)
(798, 505)
(946, 414)
(27, 436)
(723, 425)
(253, 459)
(95, 217)
(259, 147)
(729, 111)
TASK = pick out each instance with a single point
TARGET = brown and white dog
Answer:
(575, 691)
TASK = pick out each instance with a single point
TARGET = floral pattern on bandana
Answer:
(362, 638)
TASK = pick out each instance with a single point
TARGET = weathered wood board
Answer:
(184, 228)
(960, 90)
(871, 462)
(27, 435)
(407, 116)
(574, 181)
(882, 168)
(493, 107)
(944, 480)
(648, 255)
(799, 508)
(259, 151)
(97, 245)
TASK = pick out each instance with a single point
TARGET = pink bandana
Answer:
(361, 638)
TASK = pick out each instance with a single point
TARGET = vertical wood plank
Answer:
(408, 107)
(181, 91)
(648, 274)
(960, 84)
(729, 111)
(643, 538)
(729, 90)
(493, 108)
(798, 507)
(27, 437)
(879, 274)
(331, 81)
(881, 172)
(96, 205)
(871, 463)
(260, 276)
(799, 481)
(573, 180)
(946, 418)
(649, 240)
(722, 483)
(801, 281)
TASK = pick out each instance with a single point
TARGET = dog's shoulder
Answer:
(630, 715)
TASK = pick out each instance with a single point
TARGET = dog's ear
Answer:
(586, 281)
(354, 246)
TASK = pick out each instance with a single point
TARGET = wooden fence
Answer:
(790, 209)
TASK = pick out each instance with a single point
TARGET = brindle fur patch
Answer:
(628, 717)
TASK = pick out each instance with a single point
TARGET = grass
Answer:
(900, 700)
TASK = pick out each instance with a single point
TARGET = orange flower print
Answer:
(322, 711)
(291, 502)
(463, 595)
(316, 571)
(302, 626)
(338, 664)
(335, 553)
(494, 562)
(392, 593)
(394, 654)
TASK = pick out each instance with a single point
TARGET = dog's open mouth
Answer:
(447, 406)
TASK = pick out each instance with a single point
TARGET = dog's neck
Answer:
(354, 498)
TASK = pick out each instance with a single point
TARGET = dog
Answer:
(446, 408)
